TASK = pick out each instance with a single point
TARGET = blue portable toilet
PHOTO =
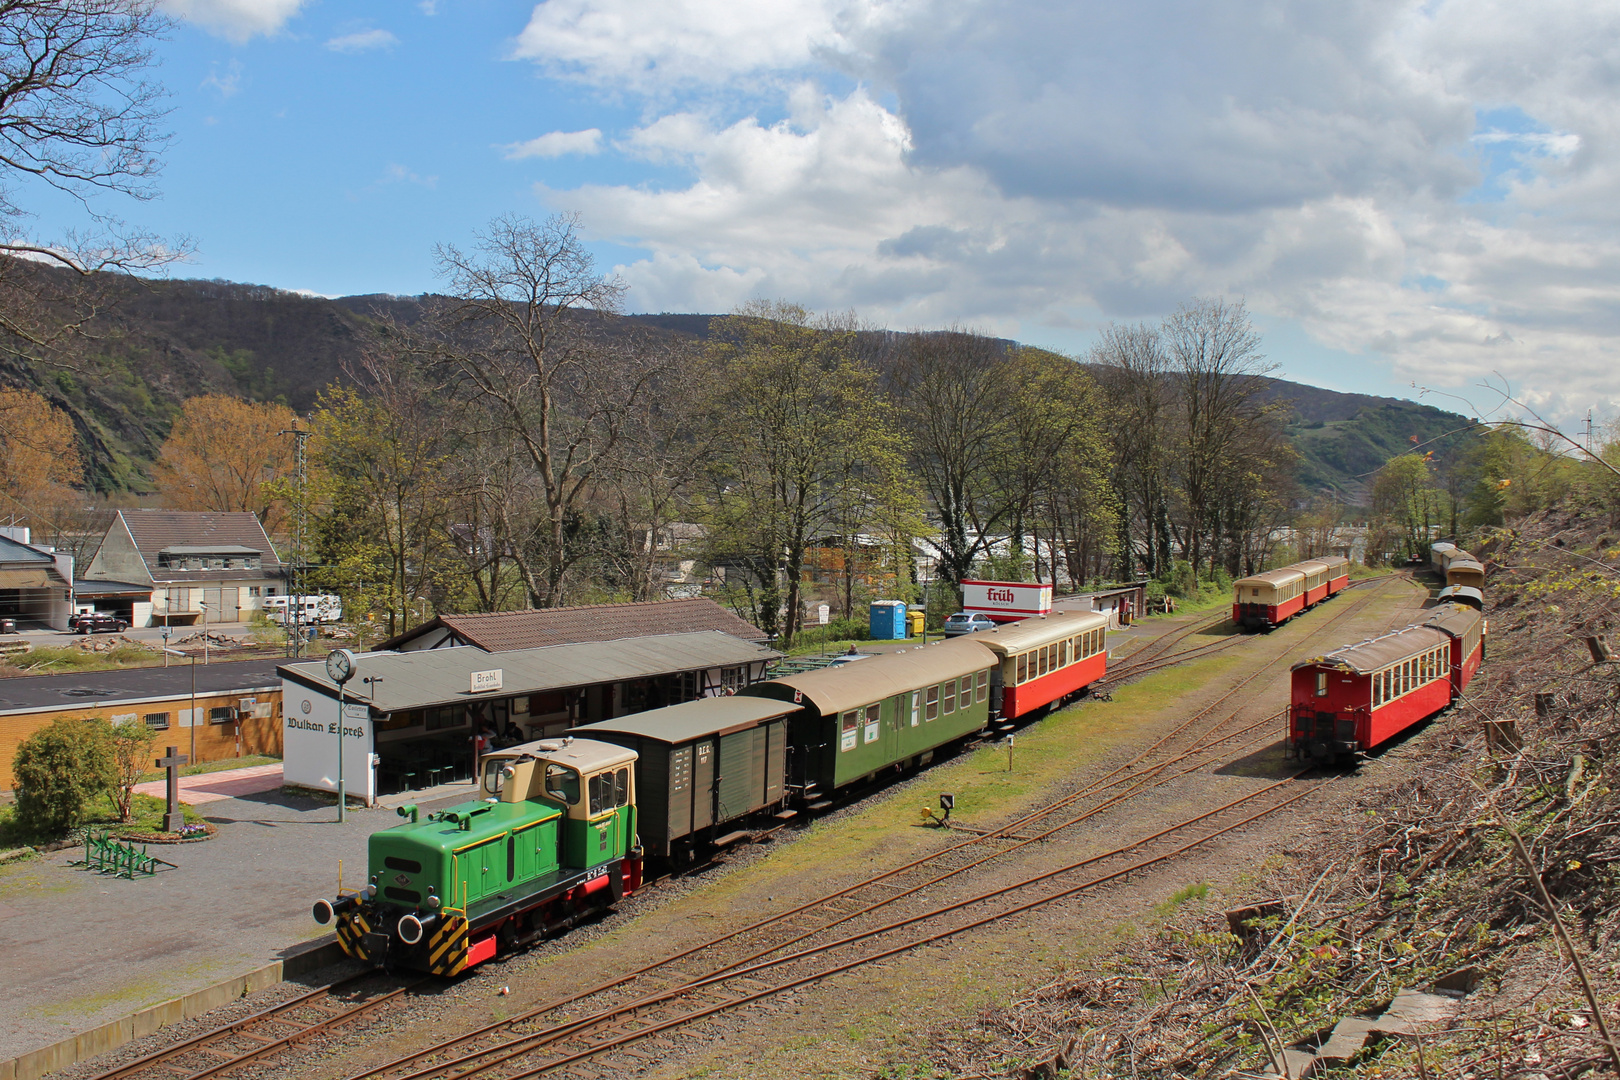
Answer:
(888, 620)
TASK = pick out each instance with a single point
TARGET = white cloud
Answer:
(362, 41)
(226, 84)
(399, 174)
(235, 20)
(556, 144)
(1051, 162)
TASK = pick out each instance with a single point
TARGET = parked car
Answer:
(97, 622)
(964, 623)
(8, 626)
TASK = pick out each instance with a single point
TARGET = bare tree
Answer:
(1136, 379)
(524, 333)
(1220, 374)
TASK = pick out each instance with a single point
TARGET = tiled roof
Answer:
(155, 530)
(503, 631)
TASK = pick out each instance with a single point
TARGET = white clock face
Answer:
(339, 665)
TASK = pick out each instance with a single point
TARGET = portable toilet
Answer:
(888, 620)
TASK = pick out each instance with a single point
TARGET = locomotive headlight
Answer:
(433, 902)
(371, 890)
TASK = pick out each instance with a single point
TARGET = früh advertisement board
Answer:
(1006, 601)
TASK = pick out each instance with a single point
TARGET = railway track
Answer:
(742, 954)
(611, 1032)
(263, 1035)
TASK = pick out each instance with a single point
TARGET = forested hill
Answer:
(165, 341)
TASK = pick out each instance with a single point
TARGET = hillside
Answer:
(165, 341)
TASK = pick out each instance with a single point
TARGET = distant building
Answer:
(36, 581)
(190, 559)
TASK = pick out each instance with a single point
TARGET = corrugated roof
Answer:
(502, 631)
(108, 588)
(693, 719)
(1379, 653)
(442, 676)
(1270, 577)
(835, 689)
(1039, 630)
(156, 530)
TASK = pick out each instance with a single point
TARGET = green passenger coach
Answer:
(894, 709)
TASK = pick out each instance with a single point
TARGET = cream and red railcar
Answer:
(1338, 573)
(1316, 579)
(1357, 697)
(1045, 659)
(1268, 599)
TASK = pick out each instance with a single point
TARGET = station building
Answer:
(236, 710)
(408, 719)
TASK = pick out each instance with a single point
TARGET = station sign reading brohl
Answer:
(1005, 601)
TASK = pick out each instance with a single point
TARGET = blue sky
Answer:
(1403, 193)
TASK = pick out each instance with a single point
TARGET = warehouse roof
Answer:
(692, 719)
(834, 689)
(89, 689)
(413, 680)
(502, 631)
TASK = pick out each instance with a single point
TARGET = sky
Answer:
(1407, 195)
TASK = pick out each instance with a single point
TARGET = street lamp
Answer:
(164, 634)
(340, 669)
(167, 652)
(423, 601)
(204, 605)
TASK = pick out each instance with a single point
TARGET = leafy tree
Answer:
(130, 744)
(1405, 501)
(39, 455)
(58, 768)
(225, 454)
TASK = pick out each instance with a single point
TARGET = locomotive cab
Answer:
(552, 840)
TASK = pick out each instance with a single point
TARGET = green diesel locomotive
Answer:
(554, 840)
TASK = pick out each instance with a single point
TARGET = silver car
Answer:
(965, 623)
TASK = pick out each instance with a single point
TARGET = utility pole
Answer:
(295, 620)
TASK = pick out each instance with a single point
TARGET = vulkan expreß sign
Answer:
(1006, 600)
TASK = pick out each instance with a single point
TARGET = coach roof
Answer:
(1038, 630)
(1380, 652)
(832, 690)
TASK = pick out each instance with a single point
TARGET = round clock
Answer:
(340, 666)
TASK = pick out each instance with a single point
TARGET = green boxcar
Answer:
(889, 709)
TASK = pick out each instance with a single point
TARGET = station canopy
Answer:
(443, 676)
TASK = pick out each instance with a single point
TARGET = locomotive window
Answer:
(621, 788)
(409, 866)
(984, 685)
(562, 784)
(1321, 684)
(950, 696)
(601, 791)
(933, 703)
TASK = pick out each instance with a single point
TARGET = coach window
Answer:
(1042, 655)
(851, 721)
(1377, 691)
(950, 696)
(1023, 667)
(916, 707)
(1321, 684)
(874, 726)
(965, 698)
(984, 686)
(933, 704)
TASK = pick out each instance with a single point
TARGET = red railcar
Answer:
(1268, 599)
(1316, 573)
(1338, 573)
(1045, 659)
(1467, 628)
(1358, 696)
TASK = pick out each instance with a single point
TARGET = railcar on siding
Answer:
(1338, 573)
(1439, 552)
(554, 840)
(894, 709)
(1268, 599)
(1044, 660)
(1316, 580)
(1464, 569)
(1467, 628)
(1359, 696)
(701, 767)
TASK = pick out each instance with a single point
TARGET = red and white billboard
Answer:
(1006, 601)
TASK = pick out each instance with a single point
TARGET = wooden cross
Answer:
(173, 819)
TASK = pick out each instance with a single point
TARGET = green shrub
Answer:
(57, 769)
